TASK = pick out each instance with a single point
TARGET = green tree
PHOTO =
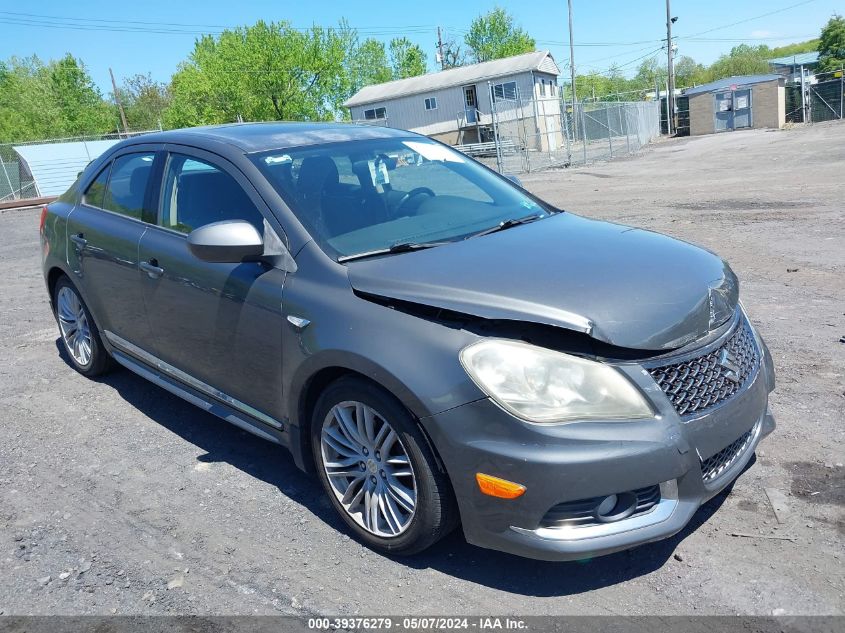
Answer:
(368, 65)
(268, 71)
(406, 58)
(26, 107)
(651, 72)
(742, 60)
(495, 35)
(832, 44)
(809, 46)
(81, 106)
(689, 72)
(144, 101)
(616, 83)
(41, 101)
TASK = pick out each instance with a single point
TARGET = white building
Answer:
(456, 105)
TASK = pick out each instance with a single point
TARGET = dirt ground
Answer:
(110, 490)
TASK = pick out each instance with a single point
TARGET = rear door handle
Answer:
(79, 240)
(152, 269)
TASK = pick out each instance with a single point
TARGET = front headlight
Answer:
(540, 385)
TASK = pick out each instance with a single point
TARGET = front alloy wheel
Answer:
(368, 468)
(378, 469)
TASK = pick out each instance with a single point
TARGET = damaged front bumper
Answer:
(664, 467)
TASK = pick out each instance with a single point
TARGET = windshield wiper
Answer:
(399, 247)
(509, 224)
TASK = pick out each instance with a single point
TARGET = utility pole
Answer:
(670, 99)
(117, 101)
(572, 69)
(440, 50)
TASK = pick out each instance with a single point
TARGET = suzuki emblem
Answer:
(729, 363)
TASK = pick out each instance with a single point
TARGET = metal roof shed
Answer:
(54, 166)
(732, 103)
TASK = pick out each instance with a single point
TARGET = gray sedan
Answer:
(437, 345)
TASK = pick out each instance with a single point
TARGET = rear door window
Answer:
(127, 186)
(197, 193)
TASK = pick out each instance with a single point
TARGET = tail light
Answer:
(43, 219)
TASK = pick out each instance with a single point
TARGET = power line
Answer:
(117, 27)
(756, 17)
(75, 19)
(596, 44)
(91, 21)
(593, 63)
(750, 39)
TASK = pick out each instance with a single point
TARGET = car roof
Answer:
(258, 137)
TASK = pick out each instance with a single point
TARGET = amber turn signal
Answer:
(496, 487)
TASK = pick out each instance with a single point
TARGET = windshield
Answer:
(366, 196)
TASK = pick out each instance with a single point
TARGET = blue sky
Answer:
(606, 32)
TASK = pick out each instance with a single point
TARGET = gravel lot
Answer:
(110, 490)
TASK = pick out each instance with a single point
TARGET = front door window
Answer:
(197, 193)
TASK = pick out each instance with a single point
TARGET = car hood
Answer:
(623, 286)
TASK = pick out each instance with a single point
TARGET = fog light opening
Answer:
(616, 507)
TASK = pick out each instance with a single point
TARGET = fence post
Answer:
(584, 130)
(627, 138)
(8, 180)
(495, 126)
(841, 89)
(609, 130)
(564, 126)
(526, 155)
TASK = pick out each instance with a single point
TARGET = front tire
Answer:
(378, 470)
(78, 331)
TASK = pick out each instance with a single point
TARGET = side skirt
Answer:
(219, 409)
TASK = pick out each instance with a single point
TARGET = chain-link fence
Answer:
(823, 100)
(534, 134)
(52, 164)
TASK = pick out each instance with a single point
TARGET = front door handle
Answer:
(79, 240)
(152, 269)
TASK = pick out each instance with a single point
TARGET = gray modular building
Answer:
(456, 105)
(732, 103)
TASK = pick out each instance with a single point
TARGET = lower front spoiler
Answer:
(680, 499)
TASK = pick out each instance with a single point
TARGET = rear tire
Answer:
(79, 333)
(377, 469)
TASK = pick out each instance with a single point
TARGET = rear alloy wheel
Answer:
(79, 334)
(377, 468)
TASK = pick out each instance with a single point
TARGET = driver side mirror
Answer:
(230, 241)
(514, 179)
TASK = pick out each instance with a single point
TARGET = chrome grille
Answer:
(715, 465)
(582, 513)
(700, 383)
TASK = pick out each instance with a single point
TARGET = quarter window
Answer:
(375, 113)
(127, 184)
(97, 189)
(505, 91)
(431, 103)
(197, 193)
